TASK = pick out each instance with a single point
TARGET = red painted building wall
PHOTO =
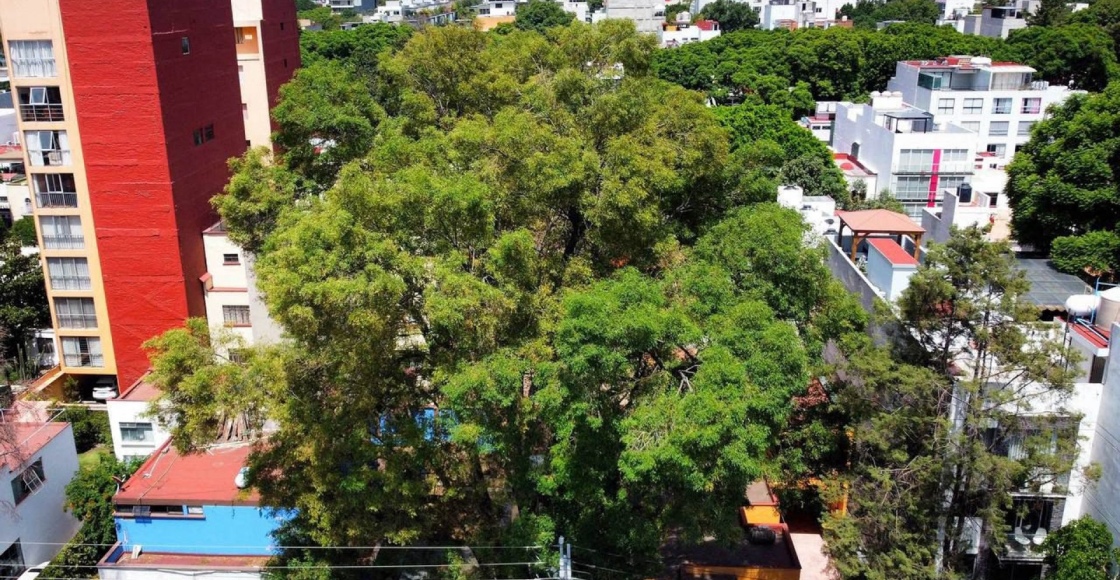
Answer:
(280, 44)
(139, 99)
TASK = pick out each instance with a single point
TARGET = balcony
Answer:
(70, 283)
(78, 321)
(84, 360)
(53, 200)
(926, 168)
(41, 113)
(74, 242)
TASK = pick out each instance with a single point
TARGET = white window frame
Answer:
(32, 59)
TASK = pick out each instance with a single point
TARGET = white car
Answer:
(33, 572)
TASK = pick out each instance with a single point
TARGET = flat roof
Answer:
(1049, 287)
(202, 478)
(120, 558)
(30, 439)
(892, 251)
(742, 554)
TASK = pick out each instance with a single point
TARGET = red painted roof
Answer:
(706, 24)
(141, 390)
(880, 221)
(202, 478)
(892, 251)
(1093, 338)
(30, 439)
(115, 557)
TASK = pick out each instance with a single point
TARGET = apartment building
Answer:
(37, 460)
(233, 302)
(127, 138)
(646, 14)
(999, 101)
(794, 14)
(905, 148)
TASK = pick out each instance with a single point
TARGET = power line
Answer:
(277, 547)
(321, 566)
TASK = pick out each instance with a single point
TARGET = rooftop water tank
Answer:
(1109, 310)
(1082, 305)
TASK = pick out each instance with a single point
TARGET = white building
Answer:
(37, 460)
(998, 21)
(646, 14)
(135, 434)
(911, 154)
(688, 32)
(341, 5)
(999, 101)
(232, 299)
(15, 199)
(497, 8)
(794, 14)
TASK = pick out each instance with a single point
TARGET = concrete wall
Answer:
(1101, 498)
(227, 530)
(849, 275)
(891, 279)
(133, 412)
(41, 521)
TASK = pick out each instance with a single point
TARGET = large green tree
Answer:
(536, 302)
(731, 15)
(1080, 550)
(1064, 187)
(540, 15)
(23, 300)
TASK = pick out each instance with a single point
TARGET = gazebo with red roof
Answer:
(878, 221)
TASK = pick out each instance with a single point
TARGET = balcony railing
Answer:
(41, 113)
(70, 283)
(64, 199)
(943, 167)
(64, 242)
(77, 321)
(49, 158)
(84, 360)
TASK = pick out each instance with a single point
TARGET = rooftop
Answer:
(11, 153)
(881, 221)
(743, 554)
(1049, 287)
(119, 557)
(850, 166)
(970, 62)
(892, 251)
(141, 390)
(205, 477)
(27, 440)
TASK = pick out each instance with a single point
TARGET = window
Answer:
(954, 156)
(1025, 127)
(204, 134)
(137, 433)
(48, 148)
(911, 160)
(75, 312)
(946, 106)
(82, 351)
(32, 58)
(912, 187)
(208, 132)
(239, 35)
(11, 561)
(973, 126)
(55, 190)
(281, 26)
(185, 45)
(237, 356)
(68, 273)
(949, 182)
(28, 481)
(1031, 106)
(245, 111)
(194, 510)
(993, 199)
(235, 315)
(40, 104)
(1001, 106)
(231, 259)
(998, 128)
(998, 149)
(61, 232)
(973, 106)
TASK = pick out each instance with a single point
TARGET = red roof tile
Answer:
(879, 221)
(892, 251)
(202, 478)
(1098, 340)
(141, 390)
(116, 557)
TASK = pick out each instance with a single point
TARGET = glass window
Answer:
(1010, 81)
(185, 45)
(946, 106)
(61, 232)
(40, 104)
(912, 187)
(1031, 106)
(82, 351)
(11, 561)
(235, 315)
(47, 148)
(75, 312)
(68, 273)
(998, 128)
(954, 155)
(915, 160)
(32, 58)
(1001, 106)
(137, 433)
(973, 106)
(27, 481)
(973, 126)
(998, 149)
(55, 190)
(231, 259)
(1025, 127)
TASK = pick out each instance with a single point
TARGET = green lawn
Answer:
(91, 458)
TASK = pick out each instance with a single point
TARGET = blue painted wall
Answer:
(220, 530)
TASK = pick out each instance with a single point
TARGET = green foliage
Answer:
(672, 10)
(1079, 55)
(305, 5)
(89, 497)
(1062, 184)
(868, 13)
(23, 299)
(1099, 251)
(322, 16)
(540, 15)
(91, 428)
(23, 232)
(1080, 550)
(357, 48)
(1049, 13)
(731, 15)
(885, 200)
(557, 255)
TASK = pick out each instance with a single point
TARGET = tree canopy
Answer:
(540, 15)
(731, 15)
(1080, 550)
(537, 300)
(1063, 185)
